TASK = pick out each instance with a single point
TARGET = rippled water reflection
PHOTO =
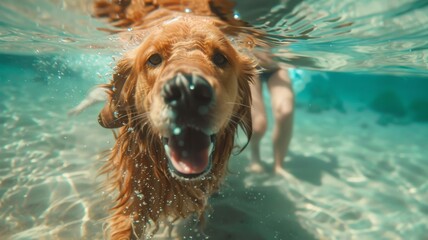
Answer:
(360, 36)
(381, 36)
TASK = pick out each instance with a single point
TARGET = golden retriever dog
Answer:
(177, 100)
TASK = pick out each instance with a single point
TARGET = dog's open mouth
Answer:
(189, 152)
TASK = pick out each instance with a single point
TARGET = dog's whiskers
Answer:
(140, 116)
(232, 119)
(239, 104)
(235, 116)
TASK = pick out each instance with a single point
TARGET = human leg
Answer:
(259, 122)
(282, 98)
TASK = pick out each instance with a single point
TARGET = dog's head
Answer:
(190, 85)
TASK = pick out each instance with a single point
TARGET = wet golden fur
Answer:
(137, 168)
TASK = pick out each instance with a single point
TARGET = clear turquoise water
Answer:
(357, 164)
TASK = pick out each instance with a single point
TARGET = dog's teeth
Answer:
(211, 147)
(168, 154)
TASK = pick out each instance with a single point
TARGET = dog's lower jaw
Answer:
(189, 153)
(189, 177)
(149, 194)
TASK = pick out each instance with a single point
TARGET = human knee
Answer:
(259, 125)
(283, 112)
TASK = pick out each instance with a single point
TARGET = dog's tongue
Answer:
(189, 151)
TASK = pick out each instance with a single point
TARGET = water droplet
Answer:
(116, 114)
(187, 10)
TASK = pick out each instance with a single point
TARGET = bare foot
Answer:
(281, 172)
(256, 167)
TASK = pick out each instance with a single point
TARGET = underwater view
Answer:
(356, 167)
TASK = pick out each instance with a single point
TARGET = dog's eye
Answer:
(154, 60)
(219, 59)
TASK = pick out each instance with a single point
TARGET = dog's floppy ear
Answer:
(247, 76)
(114, 113)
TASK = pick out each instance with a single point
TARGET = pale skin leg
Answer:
(282, 99)
(258, 115)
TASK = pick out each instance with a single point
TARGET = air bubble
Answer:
(177, 131)
(236, 15)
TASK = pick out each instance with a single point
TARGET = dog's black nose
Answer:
(187, 91)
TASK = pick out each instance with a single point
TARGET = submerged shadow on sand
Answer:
(311, 169)
(258, 210)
